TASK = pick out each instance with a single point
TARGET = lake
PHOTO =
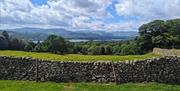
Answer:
(85, 40)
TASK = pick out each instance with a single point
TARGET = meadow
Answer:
(76, 57)
(7, 85)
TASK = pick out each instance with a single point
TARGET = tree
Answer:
(77, 48)
(116, 50)
(32, 44)
(96, 50)
(108, 50)
(37, 48)
(131, 48)
(45, 47)
(101, 50)
(3, 43)
(70, 47)
(5, 34)
(147, 31)
(28, 47)
(14, 44)
(84, 50)
(91, 50)
(56, 44)
(159, 33)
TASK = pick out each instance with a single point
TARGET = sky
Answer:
(104, 15)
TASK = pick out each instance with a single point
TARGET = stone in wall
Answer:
(164, 70)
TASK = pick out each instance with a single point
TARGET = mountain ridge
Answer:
(79, 34)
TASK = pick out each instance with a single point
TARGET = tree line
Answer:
(158, 33)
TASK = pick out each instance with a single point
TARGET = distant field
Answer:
(76, 57)
(6, 85)
(166, 52)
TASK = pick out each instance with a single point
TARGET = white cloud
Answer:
(149, 9)
(84, 14)
(62, 13)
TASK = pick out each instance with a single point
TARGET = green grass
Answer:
(6, 85)
(76, 57)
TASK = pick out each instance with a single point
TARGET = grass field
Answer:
(76, 57)
(6, 85)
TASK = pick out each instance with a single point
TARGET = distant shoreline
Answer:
(85, 40)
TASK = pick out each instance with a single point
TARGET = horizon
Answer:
(103, 15)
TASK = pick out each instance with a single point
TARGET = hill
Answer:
(79, 34)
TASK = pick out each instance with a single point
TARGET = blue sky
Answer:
(39, 2)
(104, 15)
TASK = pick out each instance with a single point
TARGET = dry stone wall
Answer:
(164, 70)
